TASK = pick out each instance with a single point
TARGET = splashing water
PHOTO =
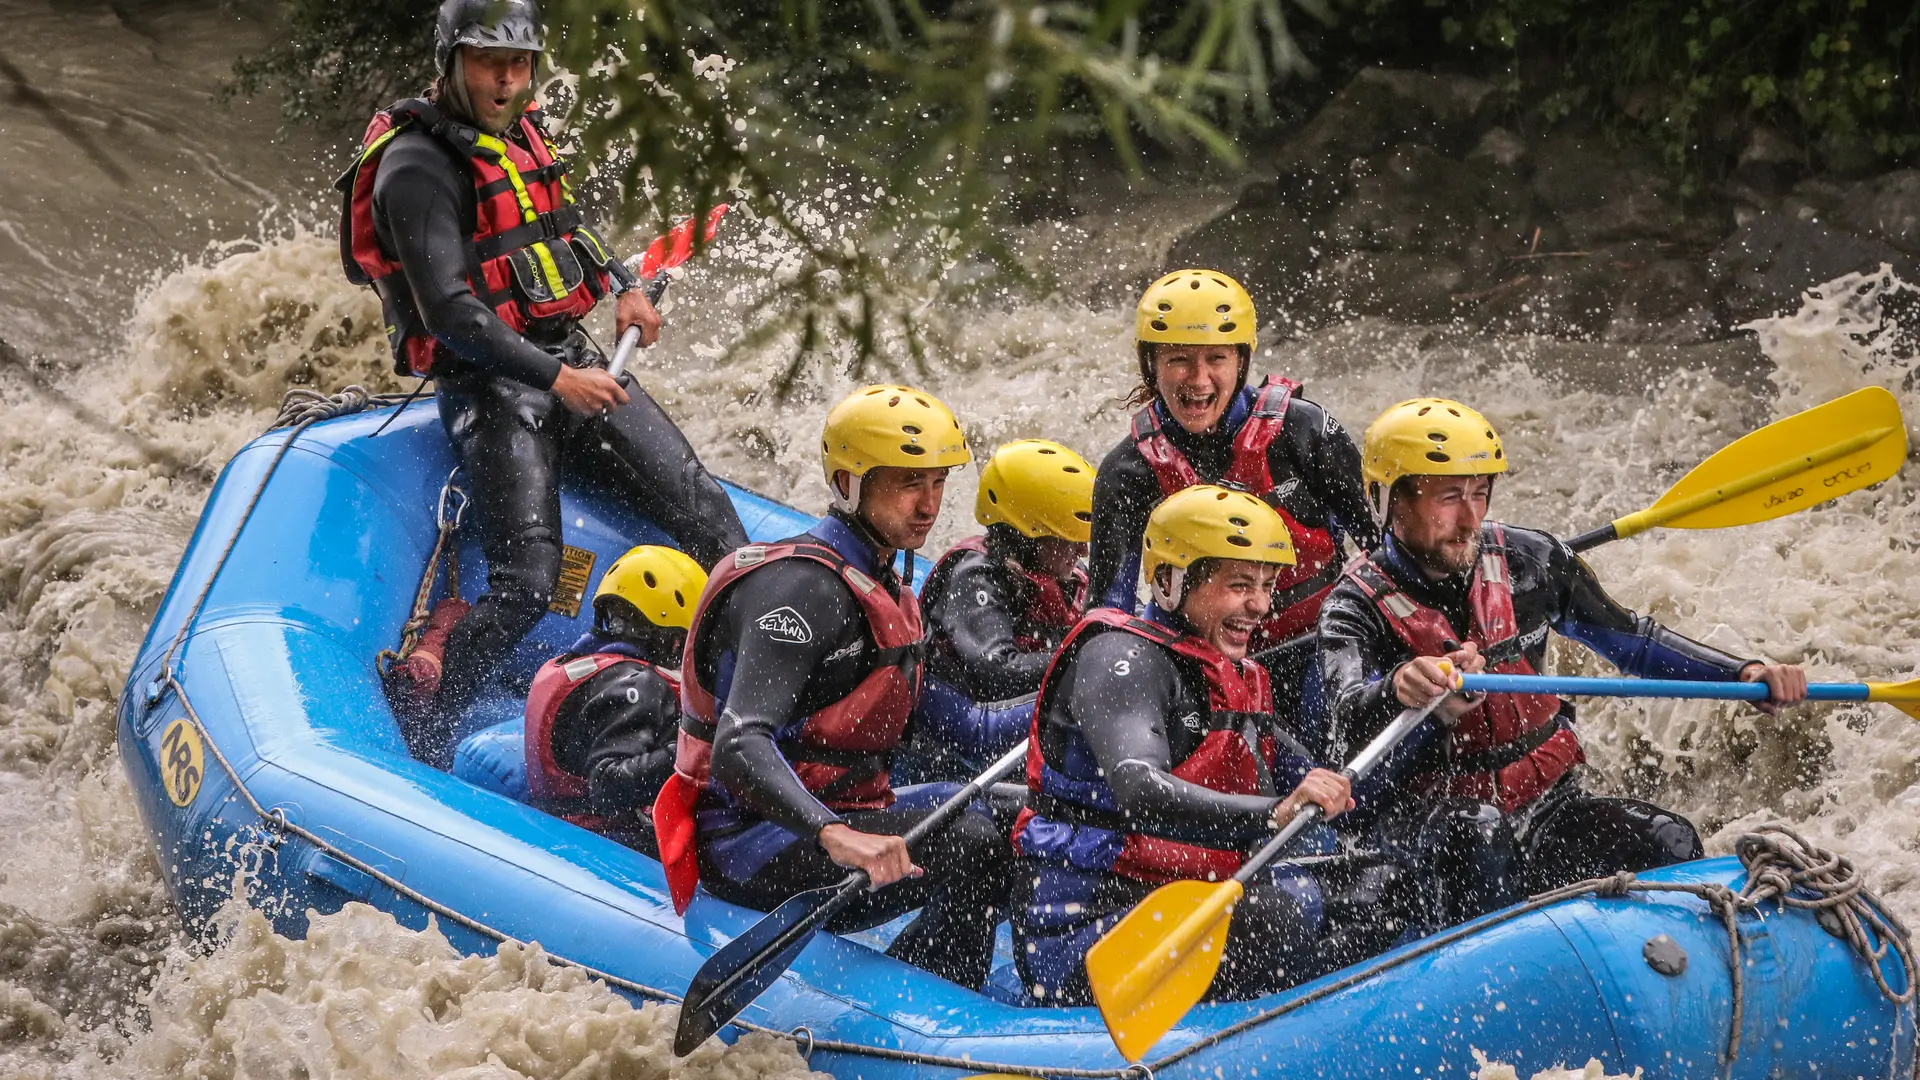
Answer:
(94, 979)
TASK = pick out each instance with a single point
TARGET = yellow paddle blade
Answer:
(1156, 963)
(1787, 466)
(1904, 696)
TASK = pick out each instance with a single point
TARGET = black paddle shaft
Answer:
(1593, 538)
(743, 968)
(1356, 771)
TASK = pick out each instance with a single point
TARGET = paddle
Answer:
(1159, 960)
(1787, 466)
(665, 253)
(743, 968)
(1904, 696)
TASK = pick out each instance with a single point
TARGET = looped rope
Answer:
(1781, 865)
(302, 405)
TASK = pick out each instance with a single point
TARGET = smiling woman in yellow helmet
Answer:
(1200, 422)
(801, 671)
(1159, 757)
(997, 604)
(1448, 581)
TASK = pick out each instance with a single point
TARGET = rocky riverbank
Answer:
(1414, 196)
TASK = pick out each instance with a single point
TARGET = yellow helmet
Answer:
(1040, 488)
(1195, 307)
(895, 426)
(1426, 437)
(1210, 522)
(661, 583)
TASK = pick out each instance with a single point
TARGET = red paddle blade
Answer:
(669, 251)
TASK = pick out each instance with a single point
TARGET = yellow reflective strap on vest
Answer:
(593, 240)
(555, 282)
(499, 151)
(374, 146)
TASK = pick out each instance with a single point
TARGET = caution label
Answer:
(183, 761)
(576, 569)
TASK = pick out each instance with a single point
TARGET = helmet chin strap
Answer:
(848, 503)
(1168, 599)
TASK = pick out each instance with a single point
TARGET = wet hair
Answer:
(1146, 391)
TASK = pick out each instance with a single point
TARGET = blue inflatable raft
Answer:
(257, 738)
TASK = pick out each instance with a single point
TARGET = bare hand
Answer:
(1786, 685)
(634, 309)
(588, 391)
(1417, 681)
(884, 858)
(1324, 788)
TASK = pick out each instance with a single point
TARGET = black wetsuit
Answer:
(1121, 713)
(513, 437)
(1312, 448)
(617, 729)
(1565, 835)
(758, 845)
(989, 640)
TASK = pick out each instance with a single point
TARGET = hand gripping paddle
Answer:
(1159, 960)
(1904, 696)
(665, 253)
(744, 967)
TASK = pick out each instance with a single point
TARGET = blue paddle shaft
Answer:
(1574, 686)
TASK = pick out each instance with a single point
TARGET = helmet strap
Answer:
(1168, 598)
(848, 503)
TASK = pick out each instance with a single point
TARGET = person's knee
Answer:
(523, 579)
(1672, 839)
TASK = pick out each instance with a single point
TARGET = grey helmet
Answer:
(487, 24)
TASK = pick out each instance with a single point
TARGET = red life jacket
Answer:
(557, 679)
(1300, 589)
(841, 753)
(1224, 761)
(530, 257)
(1048, 604)
(1513, 747)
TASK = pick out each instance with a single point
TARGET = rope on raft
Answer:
(1781, 866)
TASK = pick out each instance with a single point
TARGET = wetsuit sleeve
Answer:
(1358, 655)
(1325, 458)
(1125, 690)
(1124, 495)
(633, 716)
(976, 621)
(1634, 643)
(770, 672)
(418, 192)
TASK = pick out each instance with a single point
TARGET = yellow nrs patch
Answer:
(576, 569)
(183, 761)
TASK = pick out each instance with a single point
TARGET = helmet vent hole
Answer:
(1239, 541)
(1490, 434)
(911, 429)
(1075, 469)
(1437, 436)
(1194, 284)
(1158, 324)
(1223, 308)
(1227, 327)
(1435, 455)
(1240, 521)
(911, 450)
(652, 582)
(1083, 515)
(893, 401)
(1496, 454)
(678, 599)
(1456, 412)
(1045, 450)
(923, 403)
(1424, 410)
(992, 497)
(1164, 306)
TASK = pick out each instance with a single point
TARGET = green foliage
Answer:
(340, 61)
(1842, 77)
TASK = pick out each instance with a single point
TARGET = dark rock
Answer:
(1420, 200)
(1886, 207)
(1503, 149)
(1603, 193)
(1559, 296)
(1380, 107)
(1768, 262)
(1405, 285)
(1666, 301)
(1767, 169)
(1266, 246)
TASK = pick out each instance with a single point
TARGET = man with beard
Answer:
(459, 214)
(1489, 794)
